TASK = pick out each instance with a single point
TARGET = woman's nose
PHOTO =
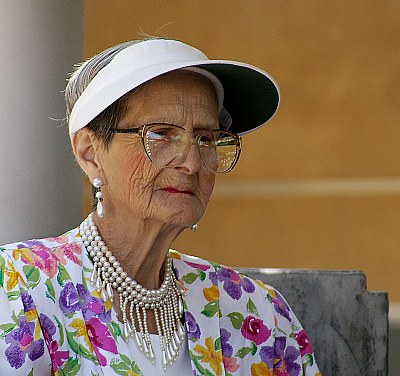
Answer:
(192, 163)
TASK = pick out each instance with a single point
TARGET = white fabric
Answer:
(182, 366)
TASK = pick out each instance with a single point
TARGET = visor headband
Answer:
(133, 66)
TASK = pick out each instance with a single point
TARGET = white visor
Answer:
(247, 96)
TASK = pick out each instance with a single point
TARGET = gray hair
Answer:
(103, 124)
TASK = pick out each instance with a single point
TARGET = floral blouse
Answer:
(53, 322)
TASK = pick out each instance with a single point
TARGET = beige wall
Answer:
(320, 186)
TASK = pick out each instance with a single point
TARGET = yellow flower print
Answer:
(260, 369)
(210, 355)
(25, 253)
(174, 254)
(261, 284)
(211, 293)
(13, 277)
(31, 315)
(80, 326)
(272, 292)
(38, 332)
(96, 294)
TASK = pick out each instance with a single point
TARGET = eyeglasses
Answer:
(167, 145)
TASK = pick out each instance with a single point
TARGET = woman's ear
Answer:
(85, 147)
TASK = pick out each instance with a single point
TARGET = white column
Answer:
(40, 186)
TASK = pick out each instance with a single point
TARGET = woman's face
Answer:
(133, 185)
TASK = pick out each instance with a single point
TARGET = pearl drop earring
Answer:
(195, 227)
(98, 183)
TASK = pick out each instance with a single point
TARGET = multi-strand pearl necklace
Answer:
(135, 300)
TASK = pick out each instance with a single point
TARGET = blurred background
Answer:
(319, 186)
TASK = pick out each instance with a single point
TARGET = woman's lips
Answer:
(175, 190)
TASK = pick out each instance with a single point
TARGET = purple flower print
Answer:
(30, 243)
(192, 328)
(69, 301)
(255, 330)
(92, 306)
(230, 362)
(281, 358)
(22, 343)
(281, 306)
(48, 328)
(227, 349)
(232, 282)
(27, 301)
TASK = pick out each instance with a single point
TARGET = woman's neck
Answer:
(139, 245)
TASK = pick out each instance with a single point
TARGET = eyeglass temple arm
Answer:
(127, 130)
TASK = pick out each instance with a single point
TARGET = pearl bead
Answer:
(108, 274)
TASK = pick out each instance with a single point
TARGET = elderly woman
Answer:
(151, 123)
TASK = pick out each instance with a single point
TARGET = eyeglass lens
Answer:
(168, 146)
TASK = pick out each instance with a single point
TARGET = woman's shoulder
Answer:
(50, 242)
(224, 272)
(43, 254)
(233, 288)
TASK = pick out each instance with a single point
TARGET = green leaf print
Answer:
(190, 278)
(120, 368)
(251, 308)
(62, 275)
(13, 295)
(202, 275)
(2, 266)
(50, 290)
(215, 264)
(7, 328)
(60, 330)
(236, 319)
(210, 309)
(253, 349)
(242, 352)
(79, 349)
(124, 367)
(217, 344)
(309, 359)
(32, 274)
(114, 329)
(70, 368)
(198, 366)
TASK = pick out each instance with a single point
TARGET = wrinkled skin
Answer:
(148, 207)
